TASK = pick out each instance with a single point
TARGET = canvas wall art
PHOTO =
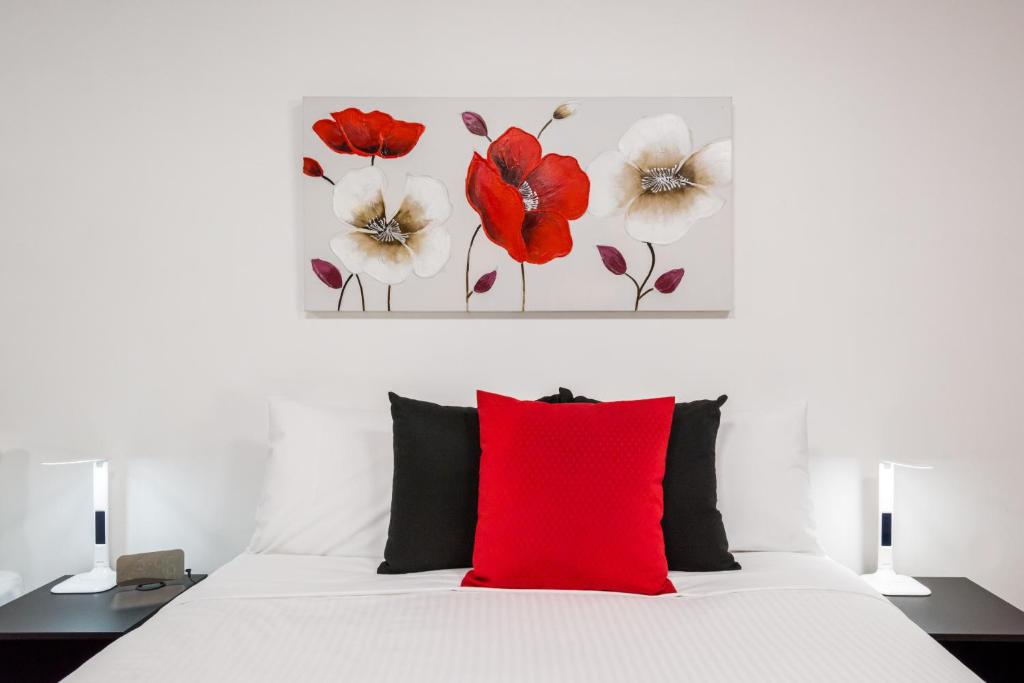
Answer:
(517, 205)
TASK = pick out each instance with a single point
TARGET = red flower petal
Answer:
(399, 138)
(312, 168)
(363, 130)
(516, 153)
(327, 272)
(669, 280)
(612, 258)
(331, 134)
(561, 186)
(547, 236)
(499, 205)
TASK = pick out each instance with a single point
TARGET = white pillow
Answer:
(327, 489)
(764, 491)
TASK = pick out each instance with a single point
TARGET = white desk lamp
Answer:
(885, 580)
(101, 577)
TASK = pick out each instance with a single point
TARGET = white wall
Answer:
(150, 264)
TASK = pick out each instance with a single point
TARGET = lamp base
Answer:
(98, 580)
(888, 582)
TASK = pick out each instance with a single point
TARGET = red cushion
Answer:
(571, 495)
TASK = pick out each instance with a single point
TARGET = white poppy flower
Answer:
(411, 240)
(653, 177)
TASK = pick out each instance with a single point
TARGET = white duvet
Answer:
(784, 617)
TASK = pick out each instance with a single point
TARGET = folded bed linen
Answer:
(784, 617)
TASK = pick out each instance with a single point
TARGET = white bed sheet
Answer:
(784, 617)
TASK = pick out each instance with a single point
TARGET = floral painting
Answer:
(517, 205)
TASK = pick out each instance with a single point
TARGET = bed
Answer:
(784, 617)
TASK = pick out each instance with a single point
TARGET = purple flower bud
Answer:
(669, 280)
(327, 272)
(474, 123)
(485, 282)
(613, 259)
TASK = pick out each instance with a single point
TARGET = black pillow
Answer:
(695, 538)
(434, 491)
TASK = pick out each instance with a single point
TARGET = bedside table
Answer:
(44, 637)
(983, 631)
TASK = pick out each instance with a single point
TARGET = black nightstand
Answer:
(44, 637)
(983, 631)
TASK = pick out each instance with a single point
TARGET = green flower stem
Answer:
(469, 251)
(362, 297)
(344, 285)
(639, 295)
(522, 273)
(545, 127)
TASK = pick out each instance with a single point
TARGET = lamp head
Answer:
(893, 463)
(75, 462)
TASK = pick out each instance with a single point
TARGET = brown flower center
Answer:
(530, 199)
(386, 231)
(663, 180)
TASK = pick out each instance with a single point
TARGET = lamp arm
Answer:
(100, 501)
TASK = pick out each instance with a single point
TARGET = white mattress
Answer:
(784, 617)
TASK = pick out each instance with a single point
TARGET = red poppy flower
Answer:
(368, 134)
(526, 201)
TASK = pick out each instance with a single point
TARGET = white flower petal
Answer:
(389, 263)
(614, 183)
(390, 266)
(664, 217)
(430, 250)
(426, 201)
(661, 141)
(349, 247)
(711, 165)
(359, 196)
